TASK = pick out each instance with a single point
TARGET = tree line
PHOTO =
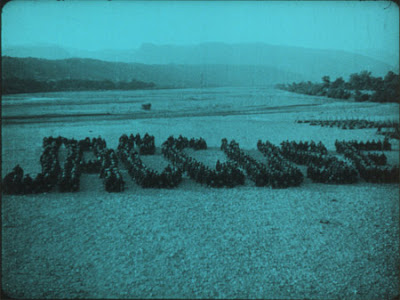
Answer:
(18, 85)
(360, 86)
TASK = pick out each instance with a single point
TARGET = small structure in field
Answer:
(146, 106)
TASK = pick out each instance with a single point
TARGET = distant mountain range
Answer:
(178, 76)
(208, 64)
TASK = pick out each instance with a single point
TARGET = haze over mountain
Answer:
(195, 65)
(167, 75)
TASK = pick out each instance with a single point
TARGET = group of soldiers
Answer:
(337, 172)
(145, 145)
(290, 151)
(86, 144)
(181, 143)
(105, 163)
(113, 181)
(127, 143)
(275, 173)
(350, 124)
(144, 176)
(306, 146)
(283, 173)
(367, 167)
(322, 167)
(255, 170)
(70, 176)
(367, 146)
(112, 178)
(380, 175)
(378, 159)
(198, 144)
(50, 165)
(16, 183)
(225, 175)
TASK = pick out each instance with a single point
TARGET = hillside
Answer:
(311, 63)
(171, 75)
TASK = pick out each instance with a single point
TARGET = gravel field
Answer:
(316, 241)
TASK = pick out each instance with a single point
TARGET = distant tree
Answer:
(365, 80)
(357, 95)
(326, 81)
(360, 97)
(385, 90)
(338, 83)
(391, 88)
(391, 80)
(377, 83)
(354, 82)
(338, 93)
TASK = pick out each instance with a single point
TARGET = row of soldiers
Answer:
(112, 178)
(183, 142)
(380, 175)
(306, 146)
(337, 173)
(50, 164)
(255, 170)
(367, 167)
(16, 183)
(126, 142)
(71, 174)
(67, 178)
(145, 145)
(379, 159)
(302, 157)
(322, 167)
(226, 174)
(170, 177)
(105, 163)
(366, 146)
(284, 172)
(272, 175)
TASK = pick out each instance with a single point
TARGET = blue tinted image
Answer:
(200, 149)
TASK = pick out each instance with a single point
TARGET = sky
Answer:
(97, 25)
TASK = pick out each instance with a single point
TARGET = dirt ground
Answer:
(315, 241)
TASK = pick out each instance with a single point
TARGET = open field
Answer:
(313, 241)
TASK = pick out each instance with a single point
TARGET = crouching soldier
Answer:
(13, 182)
(120, 183)
(8, 186)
